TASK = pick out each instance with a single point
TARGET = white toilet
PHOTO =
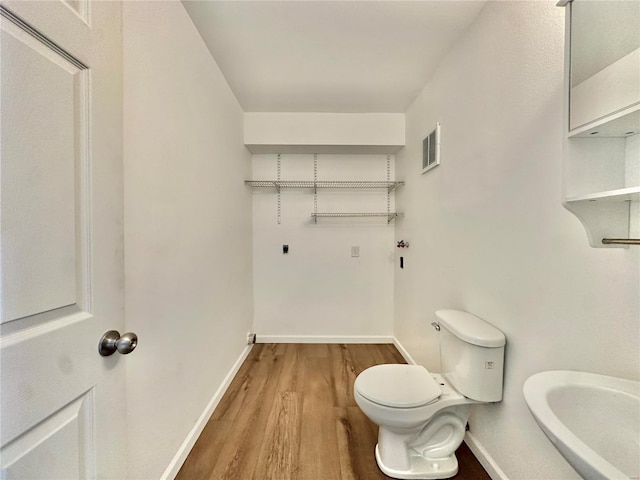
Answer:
(422, 416)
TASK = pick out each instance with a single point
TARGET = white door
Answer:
(62, 404)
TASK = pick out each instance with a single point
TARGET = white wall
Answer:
(489, 235)
(187, 230)
(318, 289)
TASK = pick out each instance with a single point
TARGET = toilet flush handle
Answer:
(436, 325)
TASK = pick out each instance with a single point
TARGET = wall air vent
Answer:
(431, 150)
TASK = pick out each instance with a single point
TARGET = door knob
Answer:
(112, 342)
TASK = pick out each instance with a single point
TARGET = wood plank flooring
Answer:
(289, 414)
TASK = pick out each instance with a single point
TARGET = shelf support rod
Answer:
(278, 189)
(621, 241)
(315, 187)
(388, 189)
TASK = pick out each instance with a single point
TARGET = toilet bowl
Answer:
(422, 420)
(422, 416)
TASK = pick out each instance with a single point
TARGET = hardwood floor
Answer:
(290, 414)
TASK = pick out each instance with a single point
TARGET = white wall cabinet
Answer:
(602, 144)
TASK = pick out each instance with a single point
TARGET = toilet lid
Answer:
(398, 385)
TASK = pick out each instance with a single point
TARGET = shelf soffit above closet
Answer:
(324, 149)
(325, 133)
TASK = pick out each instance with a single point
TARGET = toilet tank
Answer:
(471, 355)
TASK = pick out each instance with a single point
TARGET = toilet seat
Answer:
(398, 385)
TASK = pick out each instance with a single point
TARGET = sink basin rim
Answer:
(536, 390)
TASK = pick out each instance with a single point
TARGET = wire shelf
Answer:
(389, 216)
(324, 184)
(315, 185)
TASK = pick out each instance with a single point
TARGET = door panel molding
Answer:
(41, 444)
(54, 271)
(19, 22)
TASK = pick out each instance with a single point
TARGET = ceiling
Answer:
(329, 56)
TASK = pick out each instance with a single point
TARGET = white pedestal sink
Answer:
(593, 420)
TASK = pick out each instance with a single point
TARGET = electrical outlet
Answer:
(355, 250)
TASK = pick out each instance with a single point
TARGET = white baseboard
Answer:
(486, 460)
(323, 339)
(181, 455)
(403, 352)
